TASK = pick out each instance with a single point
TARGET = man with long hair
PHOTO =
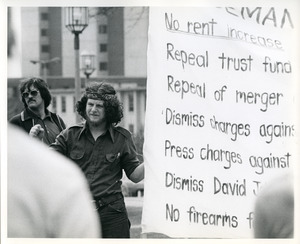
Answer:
(36, 119)
(103, 150)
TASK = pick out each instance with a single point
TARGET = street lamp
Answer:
(76, 20)
(87, 64)
(45, 65)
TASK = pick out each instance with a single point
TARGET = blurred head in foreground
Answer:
(48, 196)
(274, 209)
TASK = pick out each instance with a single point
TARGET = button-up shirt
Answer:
(102, 160)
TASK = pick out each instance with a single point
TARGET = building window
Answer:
(44, 16)
(63, 104)
(45, 48)
(130, 102)
(103, 66)
(102, 29)
(103, 48)
(54, 104)
(44, 32)
(131, 128)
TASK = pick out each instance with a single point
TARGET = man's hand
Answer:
(37, 131)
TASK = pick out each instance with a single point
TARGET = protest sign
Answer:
(220, 118)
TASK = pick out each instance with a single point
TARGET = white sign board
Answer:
(221, 116)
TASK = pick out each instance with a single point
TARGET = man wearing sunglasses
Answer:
(36, 119)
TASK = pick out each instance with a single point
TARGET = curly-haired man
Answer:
(103, 150)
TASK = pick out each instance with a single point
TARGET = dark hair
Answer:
(105, 92)
(39, 84)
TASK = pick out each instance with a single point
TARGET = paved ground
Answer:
(134, 207)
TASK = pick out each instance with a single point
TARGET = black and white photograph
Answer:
(149, 121)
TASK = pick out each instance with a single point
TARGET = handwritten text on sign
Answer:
(218, 123)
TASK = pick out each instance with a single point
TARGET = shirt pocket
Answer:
(77, 155)
(113, 161)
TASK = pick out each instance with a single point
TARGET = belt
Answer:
(102, 201)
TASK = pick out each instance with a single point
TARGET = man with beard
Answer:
(36, 119)
(103, 150)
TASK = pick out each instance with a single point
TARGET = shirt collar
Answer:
(48, 115)
(28, 114)
(110, 131)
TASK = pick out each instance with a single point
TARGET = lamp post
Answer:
(76, 20)
(87, 64)
(45, 65)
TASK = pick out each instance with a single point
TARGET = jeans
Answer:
(114, 220)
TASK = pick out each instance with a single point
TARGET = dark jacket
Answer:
(27, 119)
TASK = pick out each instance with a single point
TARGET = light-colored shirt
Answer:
(48, 196)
